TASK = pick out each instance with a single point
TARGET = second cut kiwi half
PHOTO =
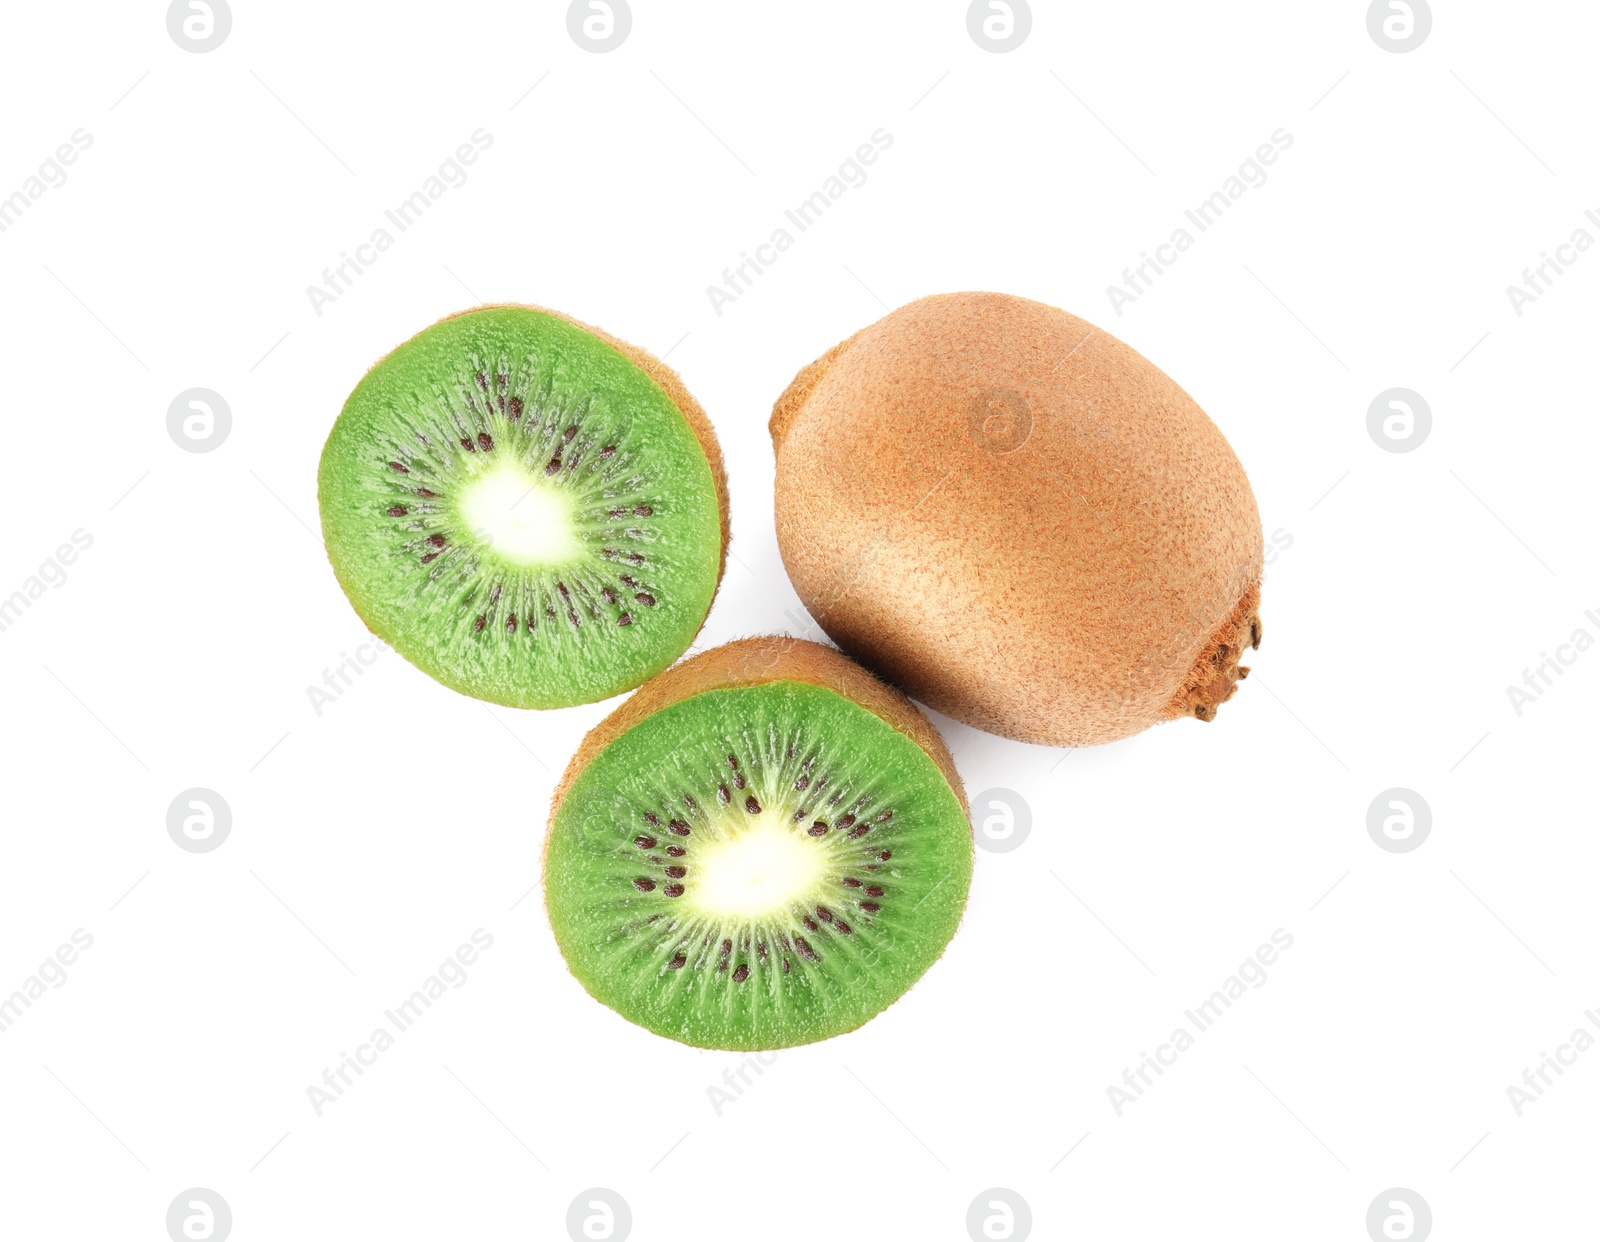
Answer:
(765, 846)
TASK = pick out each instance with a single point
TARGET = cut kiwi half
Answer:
(765, 846)
(529, 510)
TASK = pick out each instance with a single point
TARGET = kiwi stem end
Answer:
(1217, 673)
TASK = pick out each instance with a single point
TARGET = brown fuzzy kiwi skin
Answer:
(754, 662)
(1099, 576)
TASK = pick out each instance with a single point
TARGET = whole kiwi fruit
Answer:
(1018, 519)
(526, 508)
(764, 846)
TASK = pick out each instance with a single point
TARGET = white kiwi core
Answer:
(520, 517)
(761, 868)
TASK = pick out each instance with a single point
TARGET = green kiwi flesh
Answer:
(521, 510)
(756, 867)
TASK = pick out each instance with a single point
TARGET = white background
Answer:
(369, 841)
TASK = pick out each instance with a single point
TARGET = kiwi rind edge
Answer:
(754, 662)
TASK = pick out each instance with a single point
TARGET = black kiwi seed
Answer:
(644, 884)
